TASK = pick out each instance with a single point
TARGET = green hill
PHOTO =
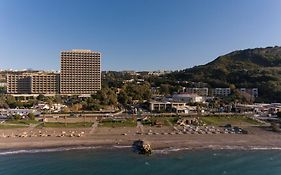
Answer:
(260, 67)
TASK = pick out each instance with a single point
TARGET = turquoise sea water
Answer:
(123, 161)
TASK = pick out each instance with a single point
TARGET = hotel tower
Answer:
(80, 72)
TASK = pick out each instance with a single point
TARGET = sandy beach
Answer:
(103, 136)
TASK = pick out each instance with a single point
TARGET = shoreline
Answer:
(160, 150)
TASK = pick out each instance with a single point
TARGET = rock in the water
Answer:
(141, 147)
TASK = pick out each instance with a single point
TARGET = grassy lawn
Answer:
(166, 121)
(67, 125)
(10, 124)
(118, 123)
(172, 120)
(22, 122)
(5, 126)
(233, 120)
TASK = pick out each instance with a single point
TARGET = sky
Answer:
(134, 34)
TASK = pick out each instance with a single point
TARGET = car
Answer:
(244, 131)
(237, 129)
(228, 126)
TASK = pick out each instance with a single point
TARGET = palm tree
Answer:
(65, 123)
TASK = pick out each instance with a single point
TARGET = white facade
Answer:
(198, 91)
(188, 98)
(254, 92)
(164, 106)
(3, 84)
(222, 91)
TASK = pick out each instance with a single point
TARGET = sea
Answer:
(117, 160)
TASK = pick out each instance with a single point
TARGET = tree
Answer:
(3, 90)
(137, 91)
(31, 116)
(123, 97)
(278, 115)
(232, 87)
(112, 97)
(246, 98)
(76, 107)
(57, 99)
(40, 97)
(3, 103)
(17, 117)
(165, 89)
(106, 96)
(11, 101)
(91, 104)
(66, 109)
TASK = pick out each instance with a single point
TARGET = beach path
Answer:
(94, 127)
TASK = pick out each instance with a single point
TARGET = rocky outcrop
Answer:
(141, 147)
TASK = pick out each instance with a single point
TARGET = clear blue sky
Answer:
(134, 34)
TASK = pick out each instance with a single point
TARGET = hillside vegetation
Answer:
(260, 67)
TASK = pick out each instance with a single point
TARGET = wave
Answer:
(60, 149)
(216, 147)
(122, 146)
(228, 147)
(266, 148)
(168, 150)
(43, 150)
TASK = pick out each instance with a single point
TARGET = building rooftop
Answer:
(34, 73)
(80, 51)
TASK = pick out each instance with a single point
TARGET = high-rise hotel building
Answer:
(80, 72)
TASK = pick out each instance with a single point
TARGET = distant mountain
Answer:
(259, 67)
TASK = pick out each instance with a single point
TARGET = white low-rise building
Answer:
(199, 91)
(181, 110)
(254, 92)
(21, 112)
(54, 107)
(164, 106)
(188, 98)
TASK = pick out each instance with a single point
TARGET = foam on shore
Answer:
(59, 149)
(216, 147)
(157, 151)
